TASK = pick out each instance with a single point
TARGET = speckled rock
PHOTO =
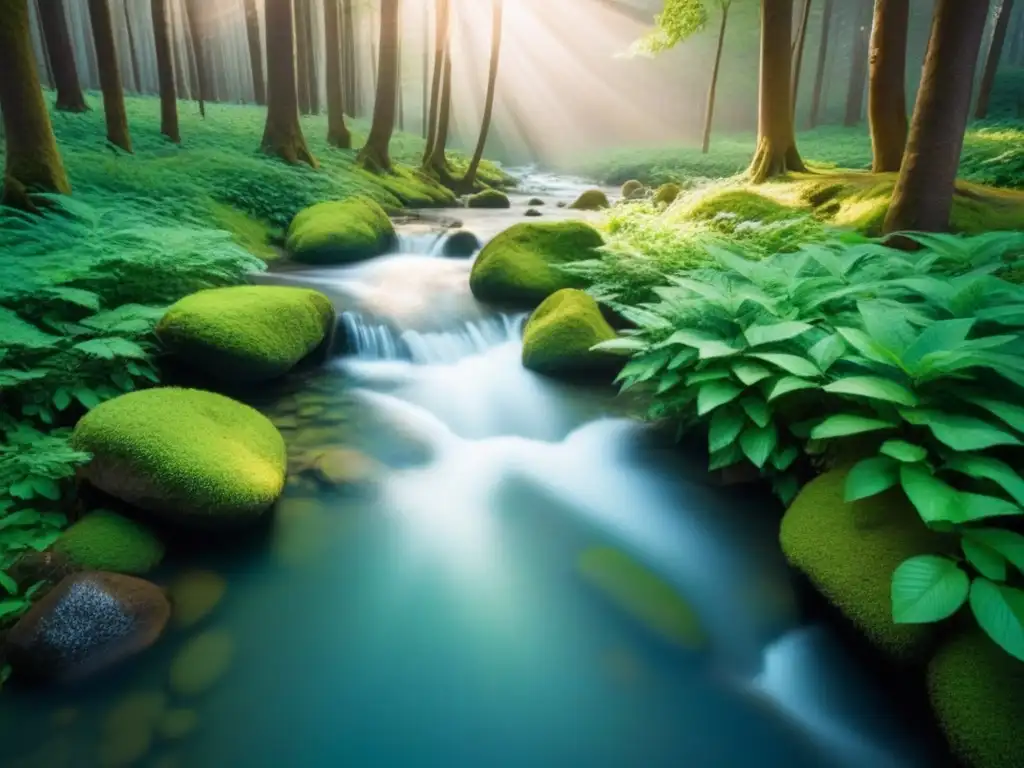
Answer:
(88, 622)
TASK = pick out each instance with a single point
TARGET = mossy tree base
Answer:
(772, 162)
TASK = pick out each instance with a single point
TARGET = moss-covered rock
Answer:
(520, 265)
(633, 190)
(741, 204)
(247, 333)
(666, 194)
(460, 244)
(194, 595)
(591, 200)
(561, 332)
(340, 232)
(104, 541)
(977, 694)
(188, 456)
(849, 552)
(201, 663)
(534, 201)
(489, 198)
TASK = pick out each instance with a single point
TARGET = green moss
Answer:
(413, 188)
(249, 232)
(591, 200)
(977, 694)
(489, 198)
(186, 455)
(666, 194)
(849, 552)
(201, 663)
(104, 541)
(560, 333)
(741, 204)
(339, 232)
(247, 333)
(632, 190)
(520, 265)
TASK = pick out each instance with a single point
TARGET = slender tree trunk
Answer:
(374, 156)
(165, 72)
(469, 180)
(374, 56)
(195, 34)
(133, 56)
(819, 77)
(309, 50)
(859, 65)
(110, 75)
(252, 32)
(48, 81)
(180, 74)
(438, 161)
(425, 96)
(776, 152)
(337, 132)
(923, 197)
(442, 22)
(709, 110)
(54, 26)
(401, 99)
(1015, 56)
(282, 135)
(302, 41)
(798, 51)
(887, 91)
(33, 162)
(995, 54)
(349, 36)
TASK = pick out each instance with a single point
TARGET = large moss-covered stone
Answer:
(340, 232)
(520, 265)
(849, 552)
(188, 456)
(489, 198)
(104, 541)
(591, 200)
(247, 333)
(666, 194)
(633, 190)
(561, 332)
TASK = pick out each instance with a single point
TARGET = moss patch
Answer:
(742, 204)
(560, 333)
(189, 456)
(248, 231)
(666, 194)
(201, 663)
(339, 232)
(489, 198)
(247, 333)
(591, 200)
(520, 265)
(849, 552)
(104, 541)
(412, 187)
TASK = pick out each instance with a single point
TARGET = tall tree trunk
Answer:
(438, 160)
(195, 34)
(303, 39)
(859, 65)
(337, 132)
(349, 36)
(442, 23)
(374, 56)
(798, 51)
(33, 162)
(180, 73)
(165, 72)
(1015, 56)
(309, 50)
(374, 156)
(887, 90)
(62, 56)
(425, 96)
(923, 197)
(469, 179)
(819, 77)
(709, 110)
(776, 152)
(48, 80)
(133, 56)
(995, 54)
(282, 135)
(252, 33)
(110, 75)
(401, 99)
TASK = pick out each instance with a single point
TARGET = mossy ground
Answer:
(561, 332)
(340, 231)
(104, 541)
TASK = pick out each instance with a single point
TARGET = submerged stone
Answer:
(194, 595)
(201, 663)
(561, 333)
(340, 232)
(532, 213)
(177, 724)
(128, 729)
(461, 243)
(534, 201)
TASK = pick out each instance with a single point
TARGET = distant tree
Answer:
(437, 159)
(338, 134)
(194, 21)
(1015, 55)
(469, 179)
(425, 96)
(861, 15)
(33, 162)
(375, 155)
(252, 34)
(133, 56)
(887, 91)
(309, 51)
(798, 50)
(819, 76)
(303, 42)
(165, 72)
(282, 135)
(995, 53)
(62, 56)
(442, 24)
(110, 75)
(349, 66)
(923, 197)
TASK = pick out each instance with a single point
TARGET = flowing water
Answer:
(454, 601)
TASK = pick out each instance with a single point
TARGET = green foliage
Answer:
(678, 20)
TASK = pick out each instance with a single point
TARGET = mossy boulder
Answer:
(849, 552)
(633, 190)
(340, 232)
(247, 333)
(461, 244)
(489, 198)
(521, 265)
(560, 334)
(187, 456)
(977, 693)
(666, 194)
(104, 541)
(591, 200)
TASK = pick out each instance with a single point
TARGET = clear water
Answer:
(434, 612)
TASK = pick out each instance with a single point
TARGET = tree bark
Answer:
(438, 160)
(995, 54)
(776, 152)
(309, 50)
(819, 77)
(252, 32)
(54, 26)
(442, 21)
(374, 155)
(282, 136)
(887, 92)
(798, 51)
(165, 73)
(709, 111)
(400, 97)
(425, 96)
(337, 132)
(133, 56)
(349, 36)
(469, 179)
(110, 75)
(859, 64)
(195, 34)
(33, 162)
(302, 43)
(923, 197)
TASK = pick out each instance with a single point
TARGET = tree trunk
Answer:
(859, 64)
(195, 33)
(923, 197)
(776, 152)
(133, 56)
(1015, 56)
(819, 77)
(337, 132)
(709, 111)
(351, 80)
(282, 135)
(374, 156)
(995, 54)
(54, 26)
(469, 179)
(798, 51)
(401, 99)
(442, 21)
(887, 92)
(252, 32)
(438, 161)
(302, 40)
(33, 162)
(309, 50)
(165, 73)
(425, 96)
(374, 56)
(110, 76)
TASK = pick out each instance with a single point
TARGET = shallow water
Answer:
(440, 608)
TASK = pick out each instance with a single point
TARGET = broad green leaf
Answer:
(690, 338)
(714, 349)
(903, 451)
(985, 560)
(682, 358)
(1009, 544)
(10, 585)
(20, 518)
(788, 384)
(86, 397)
(786, 487)
(13, 606)
(46, 487)
(871, 477)
(22, 489)
(725, 427)
(708, 374)
(783, 458)
(934, 501)
(769, 334)
(827, 351)
(988, 468)
(622, 344)
(873, 388)
(999, 611)
(757, 409)
(846, 424)
(667, 381)
(938, 337)
(961, 433)
(1010, 413)
(714, 394)
(927, 588)
(725, 457)
(110, 348)
(758, 443)
(864, 344)
(750, 373)
(792, 364)
(977, 506)
(61, 399)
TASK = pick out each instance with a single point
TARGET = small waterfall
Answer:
(421, 243)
